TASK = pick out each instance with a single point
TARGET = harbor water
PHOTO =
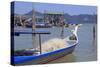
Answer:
(86, 49)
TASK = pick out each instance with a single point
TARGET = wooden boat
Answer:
(40, 58)
(45, 57)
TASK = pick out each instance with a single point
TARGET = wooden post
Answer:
(62, 31)
(33, 30)
(33, 27)
(94, 34)
(40, 43)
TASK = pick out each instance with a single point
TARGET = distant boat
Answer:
(39, 25)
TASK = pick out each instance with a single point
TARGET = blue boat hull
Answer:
(43, 58)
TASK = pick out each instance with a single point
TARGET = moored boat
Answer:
(42, 58)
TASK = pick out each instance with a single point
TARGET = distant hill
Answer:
(29, 14)
(82, 18)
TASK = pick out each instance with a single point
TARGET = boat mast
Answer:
(33, 26)
(33, 30)
(33, 18)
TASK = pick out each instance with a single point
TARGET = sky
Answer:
(25, 7)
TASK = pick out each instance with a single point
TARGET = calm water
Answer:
(84, 51)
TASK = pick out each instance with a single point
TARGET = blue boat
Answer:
(43, 58)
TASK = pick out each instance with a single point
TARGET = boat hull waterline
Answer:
(43, 58)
